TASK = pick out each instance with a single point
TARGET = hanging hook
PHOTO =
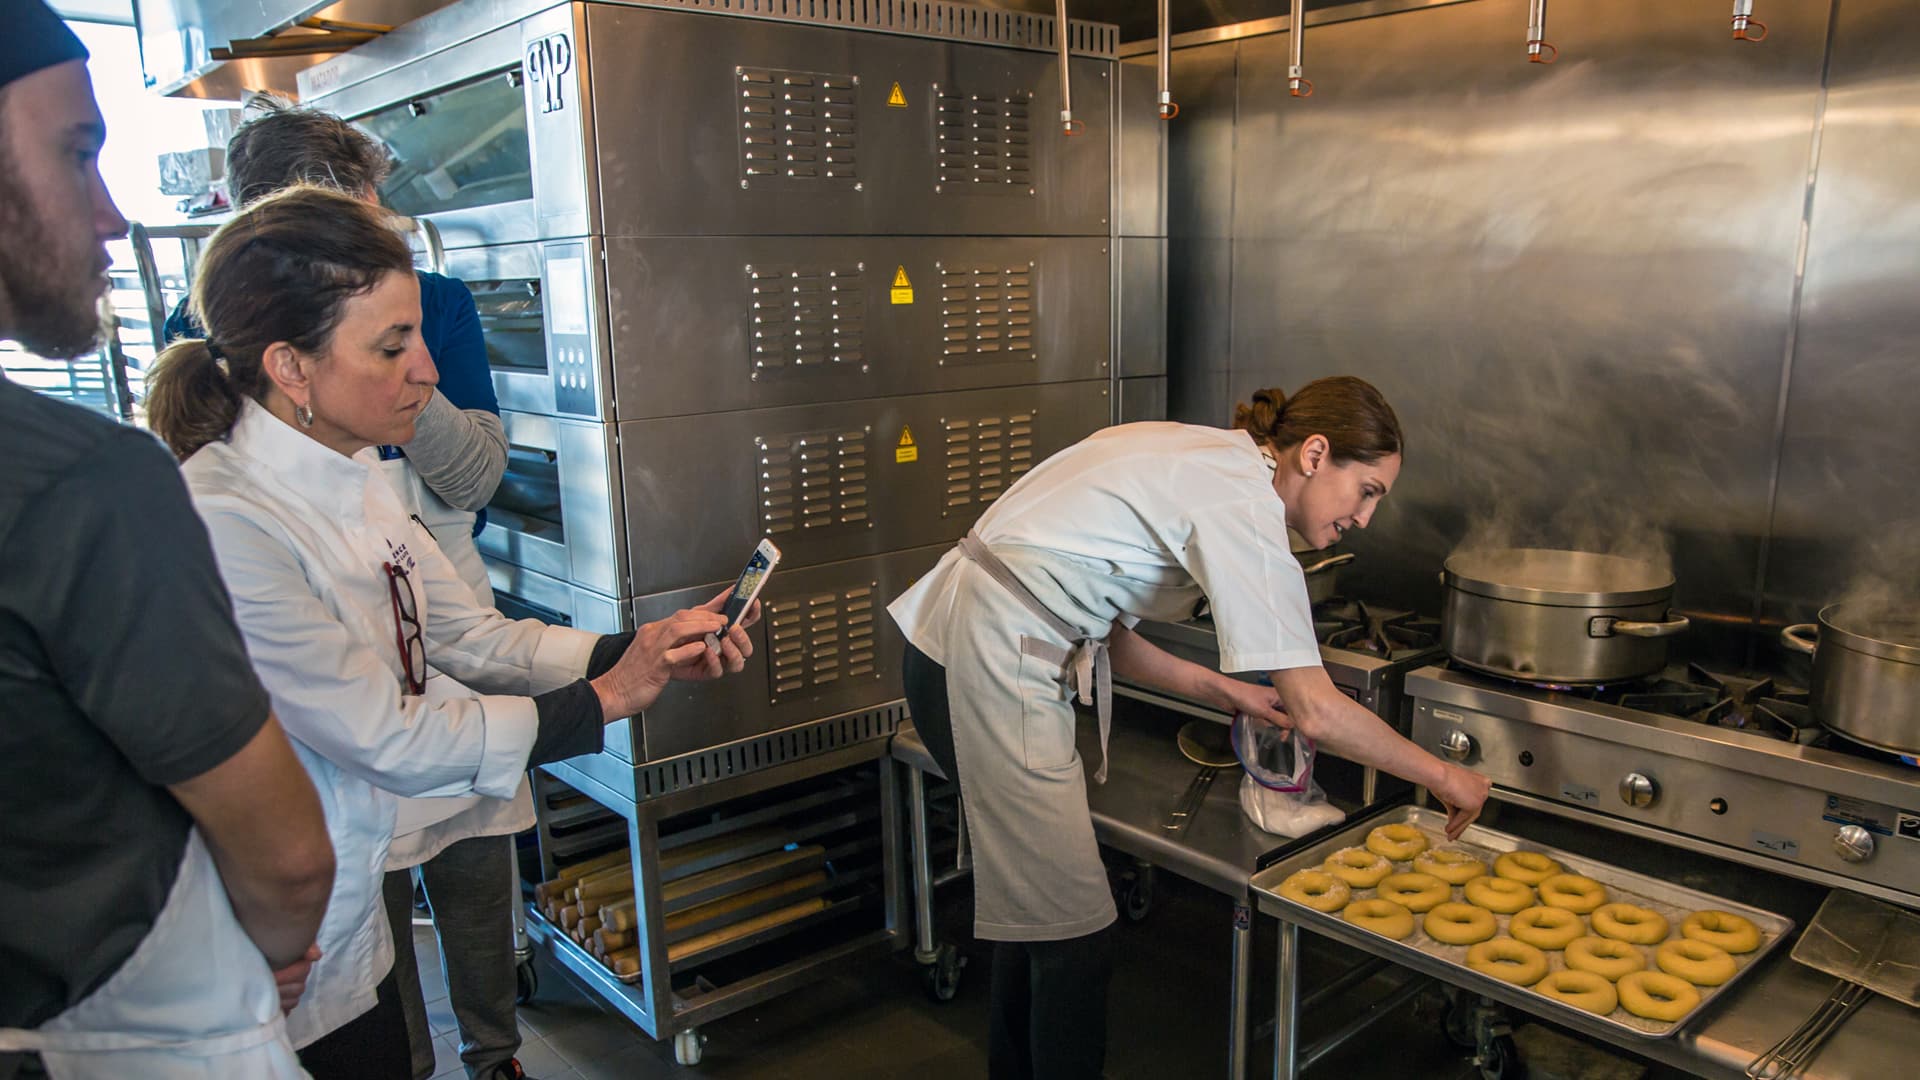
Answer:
(1745, 25)
(1168, 110)
(1068, 125)
(1297, 82)
(1539, 49)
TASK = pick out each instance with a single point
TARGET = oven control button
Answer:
(1457, 745)
(1853, 843)
(1638, 789)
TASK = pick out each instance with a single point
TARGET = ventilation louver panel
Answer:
(806, 318)
(986, 312)
(984, 142)
(985, 456)
(821, 639)
(798, 128)
(813, 480)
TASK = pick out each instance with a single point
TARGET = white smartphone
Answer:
(747, 589)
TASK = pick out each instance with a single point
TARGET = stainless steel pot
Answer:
(1565, 617)
(1322, 582)
(1866, 675)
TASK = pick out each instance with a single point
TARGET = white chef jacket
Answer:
(301, 534)
(1156, 501)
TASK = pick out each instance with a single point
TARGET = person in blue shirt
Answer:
(445, 475)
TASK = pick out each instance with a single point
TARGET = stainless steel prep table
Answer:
(1729, 1033)
(1146, 776)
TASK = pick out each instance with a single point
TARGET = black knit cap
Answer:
(34, 38)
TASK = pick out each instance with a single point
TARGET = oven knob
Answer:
(1457, 745)
(1853, 843)
(1638, 789)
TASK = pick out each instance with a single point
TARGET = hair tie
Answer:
(214, 351)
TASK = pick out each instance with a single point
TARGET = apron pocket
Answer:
(1046, 713)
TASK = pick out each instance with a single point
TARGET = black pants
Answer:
(373, 1045)
(1047, 1017)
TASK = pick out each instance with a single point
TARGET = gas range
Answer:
(1736, 767)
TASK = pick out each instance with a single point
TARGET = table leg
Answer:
(1286, 1003)
(923, 950)
(1237, 1000)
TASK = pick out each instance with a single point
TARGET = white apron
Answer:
(195, 1001)
(1027, 631)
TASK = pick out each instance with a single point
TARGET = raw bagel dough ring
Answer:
(1397, 842)
(1454, 923)
(1731, 932)
(1383, 917)
(1526, 867)
(1358, 867)
(1317, 890)
(1657, 996)
(1452, 867)
(1695, 961)
(1605, 957)
(1502, 896)
(1417, 893)
(1577, 894)
(1631, 924)
(1546, 927)
(1580, 989)
(1509, 961)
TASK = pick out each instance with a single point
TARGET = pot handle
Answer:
(1801, 637)
(1601, 626)
(1327, 563)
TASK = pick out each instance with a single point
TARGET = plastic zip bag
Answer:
(1278, 792)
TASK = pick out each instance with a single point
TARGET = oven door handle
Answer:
(436, 248)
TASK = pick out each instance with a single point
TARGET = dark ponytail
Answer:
(1356, 420)
(281, 271)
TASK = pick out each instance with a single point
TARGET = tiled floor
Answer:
(1167, 1016)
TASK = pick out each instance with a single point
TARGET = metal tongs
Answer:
(1791, 1054)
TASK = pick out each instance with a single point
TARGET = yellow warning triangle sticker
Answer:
(895, 98)
(902, 291)
(906, 436)
(900, 278)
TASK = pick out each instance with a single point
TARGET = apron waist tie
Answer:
(1088, 669)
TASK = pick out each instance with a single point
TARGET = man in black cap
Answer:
(164, 861)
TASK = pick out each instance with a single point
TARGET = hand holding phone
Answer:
(747, 588)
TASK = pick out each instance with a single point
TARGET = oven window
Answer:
(511, 317)
(528, 499)
(456, 149)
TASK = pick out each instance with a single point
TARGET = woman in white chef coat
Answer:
(1136, 521)
(389, 674)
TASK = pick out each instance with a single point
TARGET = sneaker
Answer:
(510, 1071)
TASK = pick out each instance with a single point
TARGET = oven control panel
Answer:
(1802, 830)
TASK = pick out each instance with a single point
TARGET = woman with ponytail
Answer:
(392, 679)
(1134, 522)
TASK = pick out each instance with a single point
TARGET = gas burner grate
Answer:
(1350, 624)
(1734, 702)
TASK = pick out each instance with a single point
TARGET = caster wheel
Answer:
(943, 975)
(687, 1046)
(1457, 1022)
(526, 982)
(1500, 1060)
(1136, 898)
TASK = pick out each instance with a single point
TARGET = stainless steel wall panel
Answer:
(1142, 348)
(719, 324)
(836, 651)
(673, 160)
(1200, 177)
(1572, 280)
(1142, 178)
(832, 481)
(1143, 398)
(1847, 506)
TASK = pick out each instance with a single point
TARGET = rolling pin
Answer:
(695, 945)
(571, 875)
(714, 908)
(620, 916)
(606, 941)
(624, 962)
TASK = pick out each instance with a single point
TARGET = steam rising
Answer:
(1883, 598)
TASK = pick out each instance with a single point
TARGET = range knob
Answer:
(1457, 745)
(1638, 789)
(1853, 843)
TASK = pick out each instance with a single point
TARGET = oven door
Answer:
(553, 512)
(507, 292)
(520, 593)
